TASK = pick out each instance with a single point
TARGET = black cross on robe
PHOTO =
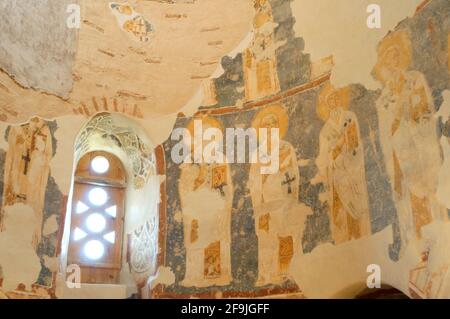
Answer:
(27, 159)
(220, 188)
(289, 180)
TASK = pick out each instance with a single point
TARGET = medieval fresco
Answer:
(29, 187)
(279, 217)
(342, 167)
(140, 153)
(426, 284)
(348, 157)
(131, 22)
(444, 177)
(27, 168)
(260, 59)
(408, 127)
(207, 228)
(357, 168)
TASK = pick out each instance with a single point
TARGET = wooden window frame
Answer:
(107, 269)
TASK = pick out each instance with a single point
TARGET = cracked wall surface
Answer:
(37, 49)
(364, 119)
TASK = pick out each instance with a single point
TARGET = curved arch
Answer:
(385, 292)
(359, 290)
(115, 173)
(121, 136)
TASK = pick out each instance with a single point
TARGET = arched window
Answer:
(96, 228)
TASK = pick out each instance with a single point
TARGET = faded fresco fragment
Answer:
(342, 167)
(132, 22)
(348, 166)
(260, 60)
(408, 127)
(206, 223)
(29, 187)
(358, 168)
(444, 174)
(27, 168)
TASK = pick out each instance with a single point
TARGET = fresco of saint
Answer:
(341, 166)
(132, 22)
(206, 194)
(408, 134)
(279, 217)
(430, 279)
(27, 168)
(260, 65)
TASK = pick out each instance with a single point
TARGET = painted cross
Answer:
(263, 45)
(21, 197)
(289, 180)
(220, 188)
(140, 23)
(27, 160)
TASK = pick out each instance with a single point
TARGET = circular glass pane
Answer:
(100, 164)
(96, 223)
(94, 249)
(98, 196)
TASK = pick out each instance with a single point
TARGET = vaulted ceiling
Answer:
(143, 57)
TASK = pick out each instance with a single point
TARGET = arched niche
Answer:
(123, 138)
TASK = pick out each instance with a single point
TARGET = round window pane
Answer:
(100, 164)
(98, 196)
(96, 223)
(94, 250)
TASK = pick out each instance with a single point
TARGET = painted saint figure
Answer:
(342, 168)
(132, 22)
(444, 175)
(430, 279)
(27, 168)
(18, 258)
(279, 217)
(206, 194)
(260, 63)
(408, 133)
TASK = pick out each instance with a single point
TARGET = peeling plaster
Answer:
(62, 163)
(344, 34)
(18, 259)
(164, 276)
(37, 52)
(320, 256)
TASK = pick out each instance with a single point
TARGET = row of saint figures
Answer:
(411, 152)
